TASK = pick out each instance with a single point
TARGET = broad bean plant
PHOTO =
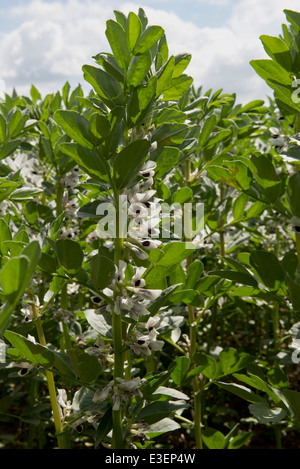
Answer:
(150, 254)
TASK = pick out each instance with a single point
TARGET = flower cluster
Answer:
(277, 140)
(121, 391)
(144, 214)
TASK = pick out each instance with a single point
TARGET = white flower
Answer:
(116, 401)
(123, 303)
(145, 344)
(147, 170)
(66, 406)
(129, 385)
(142, 197)
(102, 394)
(138, 310)
(151, 323)
(136, 250)
(149, 244)
(137, 280)
(145, 293)
(25, 367)
(27, 311)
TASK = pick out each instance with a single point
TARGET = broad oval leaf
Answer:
(75, 125)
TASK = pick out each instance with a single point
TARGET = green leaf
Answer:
(194, 272)
(181, 62)
(239, 206)
(75, 125)
(23, 193)
(70, 255)
(231, 361)
(104, 427)
(175, 252)
(265, 174)
(9, 148)
(186, 296)
(133, 30)
(166, 159)
(270, 70)
(159, 428)
(2, 130)
(206, 365)
(148, 39)
(265, 414)
(293, 17)
(102, 269)
(170, 392)
(116, 37)
(5, 233)
(129, 160)
(109, 63)
(183, 194)
(89, 160)
(158, 410)
(268, 268)
(177, 88)
(277, 49)
(12, 277)
(16, 124)
(86, 366)
(33, 252)
(138, 68)
(241, 173)
(141, 101)
(293, 194)
(35, 353)
(169, 133)
(178, 373)
(165, 76)
(239, 440)
(160, 302)
(222, 175)
(101, 321)
(293, 398)
(238, 277)
(241, 391)
(105, 85)
(99, 125)
(213, 439)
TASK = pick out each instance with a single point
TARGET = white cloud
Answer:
(53, 41)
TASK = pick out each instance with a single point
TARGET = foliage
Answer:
(121, 331)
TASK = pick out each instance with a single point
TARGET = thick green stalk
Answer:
(61, 440)
(64, 303)
(298, 247)
(59, 198)
(193, 341)
(222, 237)
(117, 439)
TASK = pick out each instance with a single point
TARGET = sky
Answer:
(46, 42)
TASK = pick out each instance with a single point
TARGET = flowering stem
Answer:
(193, 342)
(64, 305)
(222, 238)
(59, 198)
(117, 439)
(50, 382)
(298, 247)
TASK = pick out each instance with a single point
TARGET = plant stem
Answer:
(117, 439)
(50, 382)
(193, 341)
(59, 197)
(64, 303)
(298, 247)
(222, 238)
